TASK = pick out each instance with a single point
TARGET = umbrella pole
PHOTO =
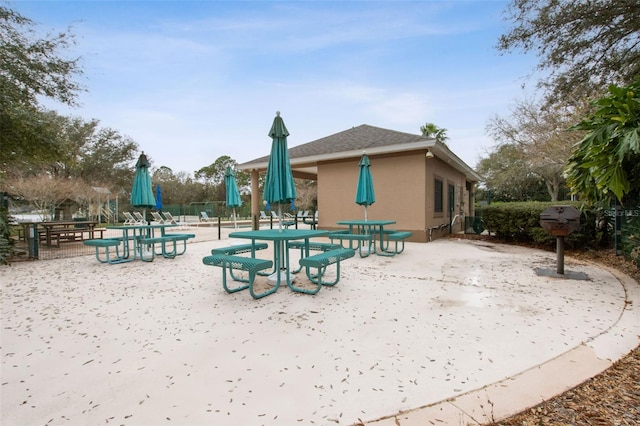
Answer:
(368, 247)
(235, 222)
(279, 217)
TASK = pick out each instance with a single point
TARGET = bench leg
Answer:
(317, 281)
(252, 277)
(317, 278)
(367, 249)
(224, 281)
(150, 249)
(184, 248)
(387, 252)
(107, 257)
(169, 254)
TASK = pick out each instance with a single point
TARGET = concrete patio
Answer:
(452, 332)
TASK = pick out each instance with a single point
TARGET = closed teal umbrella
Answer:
(142, 192)
(233, 195)
(279, 187)
(158, 198)
(365, 195)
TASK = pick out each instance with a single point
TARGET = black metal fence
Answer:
(626, 231)
(29, 243)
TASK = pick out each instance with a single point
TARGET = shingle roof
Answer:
(352, 142)
(358, 138)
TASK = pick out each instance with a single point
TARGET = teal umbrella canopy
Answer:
(365, 195)
(279, 187)
(233, 195)
(142, 191)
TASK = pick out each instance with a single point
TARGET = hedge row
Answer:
(521, 222)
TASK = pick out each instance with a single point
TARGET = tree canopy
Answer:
(541, 134)
(606, 163)
(30, 67)
(508, 176)
(586, 45)
(430, 130)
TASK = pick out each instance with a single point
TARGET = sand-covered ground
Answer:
(162, 343)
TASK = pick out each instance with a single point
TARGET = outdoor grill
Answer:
(560, 221)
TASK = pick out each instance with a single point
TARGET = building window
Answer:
(437, 196)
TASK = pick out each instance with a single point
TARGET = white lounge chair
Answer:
(139, 219)
(128, 218)
(168, 218)
(286, 222)
(204, 217)
(157, 218)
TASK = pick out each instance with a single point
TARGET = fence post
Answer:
(32, 240)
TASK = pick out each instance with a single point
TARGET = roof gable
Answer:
(358, 138)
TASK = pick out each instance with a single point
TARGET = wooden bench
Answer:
(320, 262)
(163, 242)
(69, 235)
(249, 264)
(360, 238)
(396, 237)
(106, 244)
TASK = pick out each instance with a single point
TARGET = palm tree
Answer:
(430, 130)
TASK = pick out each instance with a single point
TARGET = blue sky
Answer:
(191, 81)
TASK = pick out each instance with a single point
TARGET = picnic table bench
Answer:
(396, 236)
(359, 238)
(319, 262)
(56, 232)
(239, 249)
(69, 235)
(167, 246)
(249, 264)
(313, 245)
(106, 244)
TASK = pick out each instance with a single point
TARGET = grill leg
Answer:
(560, 255)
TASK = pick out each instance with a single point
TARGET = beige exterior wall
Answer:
(404, 186)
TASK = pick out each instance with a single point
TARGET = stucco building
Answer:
(419, 182)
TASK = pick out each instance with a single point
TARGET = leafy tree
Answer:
(306, 194)
(214, 172)
(45, 193)
(30, 67)
(430, 130)
(27, 137)
(213, 175)
(508, 176)
(540, 133)
(107, 157)
(584, 44)
(606, 162)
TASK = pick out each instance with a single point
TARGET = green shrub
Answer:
(6, 242)
(631, 240)
(520, 222)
